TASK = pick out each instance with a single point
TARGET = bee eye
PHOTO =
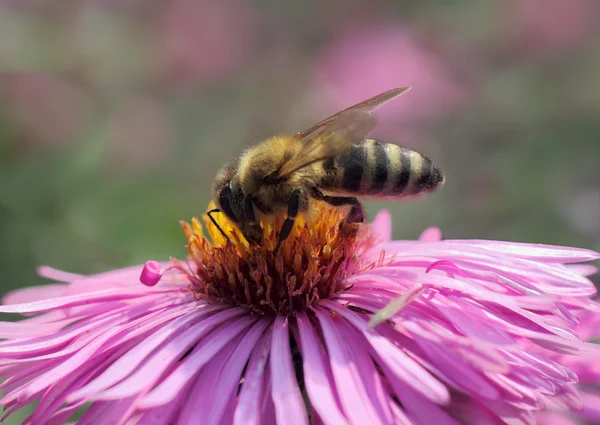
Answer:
(224, 200)
(249, 209)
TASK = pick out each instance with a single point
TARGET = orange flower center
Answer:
(311, 264)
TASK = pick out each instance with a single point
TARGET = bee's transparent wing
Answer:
(336, 134)
(368, 106)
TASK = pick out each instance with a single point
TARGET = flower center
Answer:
(311, 264)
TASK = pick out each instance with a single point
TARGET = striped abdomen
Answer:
(375, 168)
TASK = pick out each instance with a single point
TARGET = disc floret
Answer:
(310, 266)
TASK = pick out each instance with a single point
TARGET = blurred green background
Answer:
(116, 115)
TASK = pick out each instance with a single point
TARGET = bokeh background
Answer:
(116, 115)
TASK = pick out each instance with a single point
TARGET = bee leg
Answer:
(288, 224)
(356, 214)
(209, 214)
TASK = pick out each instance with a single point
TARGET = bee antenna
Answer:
(209, 214)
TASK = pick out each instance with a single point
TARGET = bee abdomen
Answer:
(410, 173)
(375, 168)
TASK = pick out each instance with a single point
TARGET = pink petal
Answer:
(289, 405)
(354, 397)
(165, 414)
(473, 325)
(22, 329)
(582, 269)
(56, 395)
(403, 366)
(363, 357)
(553, 418)
(591, 407)
(419, 409)
(118, 413)
(168, 389)
(457, 370)
(227, 374)
(57, 275)
(127, 363)
(195, 407)
(153, 366)
(400, 417)
(51, 343)
(247, 411)
(34, 293)
(382, 226)
(530, 251)
(82, 299)
(432, 234)
(267, 413)
(317, 375)
(68, 366)
(94, 414)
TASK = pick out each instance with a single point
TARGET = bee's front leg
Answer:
(297, 198)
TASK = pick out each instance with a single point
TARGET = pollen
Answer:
(310, 266)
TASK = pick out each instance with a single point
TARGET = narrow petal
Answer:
(317, 375)
(382, 226)
(531, 251)
(402, 365)
(419, 409)
(166, 414)
(168, 389)
(22, 329)
(432, 234)
(289, 405)
(354, 397)
(82, 299)
(248, 409)
(57, 275)
(34, 293)
(164, 357)
(582, 269)
(226, 374)
(196, 407)
(125, 365)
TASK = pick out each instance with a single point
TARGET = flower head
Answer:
(313, 263)
(237, 335)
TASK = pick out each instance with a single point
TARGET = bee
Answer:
(332, 161)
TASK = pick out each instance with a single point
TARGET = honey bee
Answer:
(332, 161)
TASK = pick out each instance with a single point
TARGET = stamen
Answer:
(309, 266)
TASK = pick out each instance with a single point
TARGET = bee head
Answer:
(238, 207)
(230, 199)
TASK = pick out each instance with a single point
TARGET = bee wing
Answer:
(368, 106)
(337, 133)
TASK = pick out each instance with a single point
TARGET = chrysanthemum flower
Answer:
(236, 335)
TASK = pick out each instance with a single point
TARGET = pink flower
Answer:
(206, 40)
(361, 63)
(240, 336)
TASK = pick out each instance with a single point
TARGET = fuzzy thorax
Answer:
(310, 266)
